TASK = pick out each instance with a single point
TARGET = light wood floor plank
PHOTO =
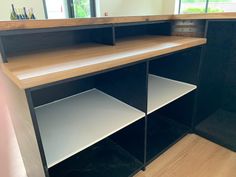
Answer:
(193, 156)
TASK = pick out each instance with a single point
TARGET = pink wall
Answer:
(11, 164)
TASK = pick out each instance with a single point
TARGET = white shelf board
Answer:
(70, 125)
(162, 91)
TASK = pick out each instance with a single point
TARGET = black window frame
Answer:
(71, 10)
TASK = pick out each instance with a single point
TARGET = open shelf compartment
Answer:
(70, 125)
(171, 96)
(104, 159)
(170, 114)
(162, 133)
(169, 124)
(162, 91)
(125, 30)
(21, 44)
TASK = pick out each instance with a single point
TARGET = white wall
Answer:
(170, 6)
(5, 7)
(57, 9)
(130, 7)
(113, 7)
(11, 163)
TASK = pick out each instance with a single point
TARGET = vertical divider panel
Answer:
(104, 35)
(146, 119)
(172, 121)
(129, 85)
(3, 56)
(36, 130)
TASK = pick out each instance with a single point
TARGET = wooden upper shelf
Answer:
(205, 16)
(39, 24)
(49, 66)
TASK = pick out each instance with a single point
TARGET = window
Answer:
(82, 8)
(70, 8)
(193, 6)
(206, 6)
(222, 6)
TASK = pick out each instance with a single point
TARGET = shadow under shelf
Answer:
(104, 159)
(162, 134)
(220, 127)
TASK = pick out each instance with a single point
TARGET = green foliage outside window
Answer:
(81, 8)
(202, 9)
(196, 1)
(196, 10)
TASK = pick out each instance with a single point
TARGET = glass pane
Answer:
(193, 6)
(221, 6)
(56, 9)
(82, 8)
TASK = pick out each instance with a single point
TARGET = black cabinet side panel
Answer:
(213, 67)
(229, 94)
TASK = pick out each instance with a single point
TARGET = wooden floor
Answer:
(193, 156)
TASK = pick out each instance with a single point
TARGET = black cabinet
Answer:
(216, 110)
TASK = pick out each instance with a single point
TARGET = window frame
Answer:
(206, 6)
(71, 10)
(92, 8)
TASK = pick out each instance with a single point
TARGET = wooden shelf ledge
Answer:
(59, 23)
(33, 70)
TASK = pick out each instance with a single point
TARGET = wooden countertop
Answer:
(204, 16)
(49, 66)
(38, 24)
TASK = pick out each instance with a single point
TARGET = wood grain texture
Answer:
(19, 113)
(46, 67)
(210, 16)
(38, 24)
(193, 156)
